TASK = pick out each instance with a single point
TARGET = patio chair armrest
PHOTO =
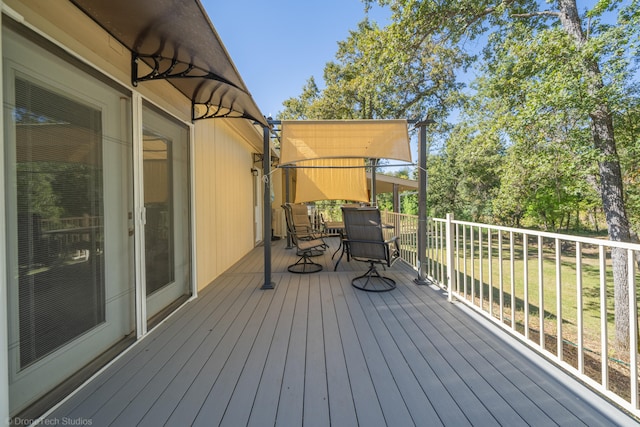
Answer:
(395, 241)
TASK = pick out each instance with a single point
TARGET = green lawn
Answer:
(513, 283)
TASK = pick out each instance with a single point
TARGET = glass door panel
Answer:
(166, 202)
(60, 204)
(158, 203)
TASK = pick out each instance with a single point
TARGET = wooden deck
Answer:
(314, 351)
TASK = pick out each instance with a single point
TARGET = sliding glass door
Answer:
(78, 235)
(68, 157)
(165, 154)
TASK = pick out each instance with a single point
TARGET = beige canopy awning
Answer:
(331, 179)
(329, 154)
(330, 139)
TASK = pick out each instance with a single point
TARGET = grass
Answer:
(515, 300)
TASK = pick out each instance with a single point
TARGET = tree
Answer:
(627, 125)
(302, 107)
(582, 54)
(464, 176)
(382, 73)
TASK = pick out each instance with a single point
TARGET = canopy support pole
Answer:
(374, 196)
(287, 199)
(266, 226)
(396, 198)
(422, 201)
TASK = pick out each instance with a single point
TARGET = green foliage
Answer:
(383, 73)
(55, 190)
(523, 151)
(35, 189)
(463, 178)
(301, 108)
(627, 122)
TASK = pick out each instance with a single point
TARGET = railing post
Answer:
(422, 201)
(451, 268)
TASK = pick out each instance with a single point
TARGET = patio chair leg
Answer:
(311, 253)
(378, 283)
(304, 265)
(339, 258)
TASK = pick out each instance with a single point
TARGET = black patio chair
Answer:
(365, 242)
(306, 246)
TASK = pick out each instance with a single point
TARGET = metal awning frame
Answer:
(422, 199)
(290, 166)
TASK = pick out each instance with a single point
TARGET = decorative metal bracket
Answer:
(259, 157)
(170, 68)
(208, 111)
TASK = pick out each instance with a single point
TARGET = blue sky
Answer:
(277, 45)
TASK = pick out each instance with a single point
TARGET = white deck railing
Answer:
(560, 301)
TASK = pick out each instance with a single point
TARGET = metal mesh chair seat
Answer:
(302, 223)
(306, 247)
(366, 243)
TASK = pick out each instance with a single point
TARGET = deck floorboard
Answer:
(315, 351)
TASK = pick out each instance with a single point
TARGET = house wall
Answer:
(221, 157)
(223, 196)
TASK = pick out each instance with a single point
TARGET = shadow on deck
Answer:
(316, 351)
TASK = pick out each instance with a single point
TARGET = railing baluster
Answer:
(525, 256)
(604, 347)
(451, 271)
(441, 253)
(541, 290)
(415, 242)
(490, 248)
(432, 238)
(436, 253)
(579, 304)
(633, 328)
(473, 259)
(559, 300)
(464, 258)
(500, 276)
(457, 259)
(480, 269)
(512, 267)
(429, 259)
